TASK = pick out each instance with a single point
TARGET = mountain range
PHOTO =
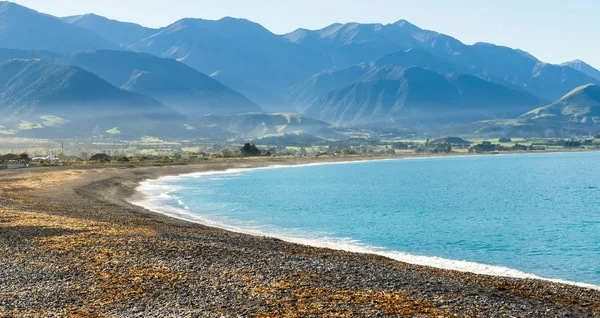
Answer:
(420, 96)
(175, 84)
(352, 74)
(240, 53)
(352, 43)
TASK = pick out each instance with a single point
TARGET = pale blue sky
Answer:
(553, 30)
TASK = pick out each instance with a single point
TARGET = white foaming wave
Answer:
(232, 172)
(183, 205)
(345, 244)
(240, 171)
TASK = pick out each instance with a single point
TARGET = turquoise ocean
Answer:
(523, 215)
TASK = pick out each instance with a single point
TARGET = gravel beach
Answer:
(71, 245)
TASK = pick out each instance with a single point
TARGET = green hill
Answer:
(575, 114)
(37, 98)
(582, 105)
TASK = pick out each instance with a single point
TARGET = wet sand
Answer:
(71, 244)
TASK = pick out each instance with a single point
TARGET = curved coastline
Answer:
(73, 229)
(144, 199)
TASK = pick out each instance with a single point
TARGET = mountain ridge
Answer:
(123, 34)
(352, 43)
(24, 28)
(246, 52)
(420, 96)
(175, 84)
(583, 67)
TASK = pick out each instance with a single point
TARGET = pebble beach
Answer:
(71, 244)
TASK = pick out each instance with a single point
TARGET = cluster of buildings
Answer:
(12, 161)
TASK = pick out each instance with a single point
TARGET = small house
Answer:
(15, 164)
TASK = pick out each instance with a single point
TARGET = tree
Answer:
(519, 147)
(250, 150)
(24, 157)
(227, 153)
(485, 146)
(573, 143)
(122, 159)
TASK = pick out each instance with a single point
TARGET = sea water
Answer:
(526, 215)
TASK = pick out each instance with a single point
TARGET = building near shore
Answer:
(5, 159)
(15, 164)
(41, 159)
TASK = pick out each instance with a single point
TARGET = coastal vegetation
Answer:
(153, 150)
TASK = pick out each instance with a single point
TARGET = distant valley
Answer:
(89, 76)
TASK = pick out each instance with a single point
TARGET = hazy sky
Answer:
(553, 30)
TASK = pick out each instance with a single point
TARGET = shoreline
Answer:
(75, 232)
(415, 259)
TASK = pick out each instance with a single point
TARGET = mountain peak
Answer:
(89, 16)
(576, 62)
(8, 4)
(221, 26)
(405, 24)
(92, 15)
(484, 44)
(584, 68)
(235, 20)
(5, 6)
